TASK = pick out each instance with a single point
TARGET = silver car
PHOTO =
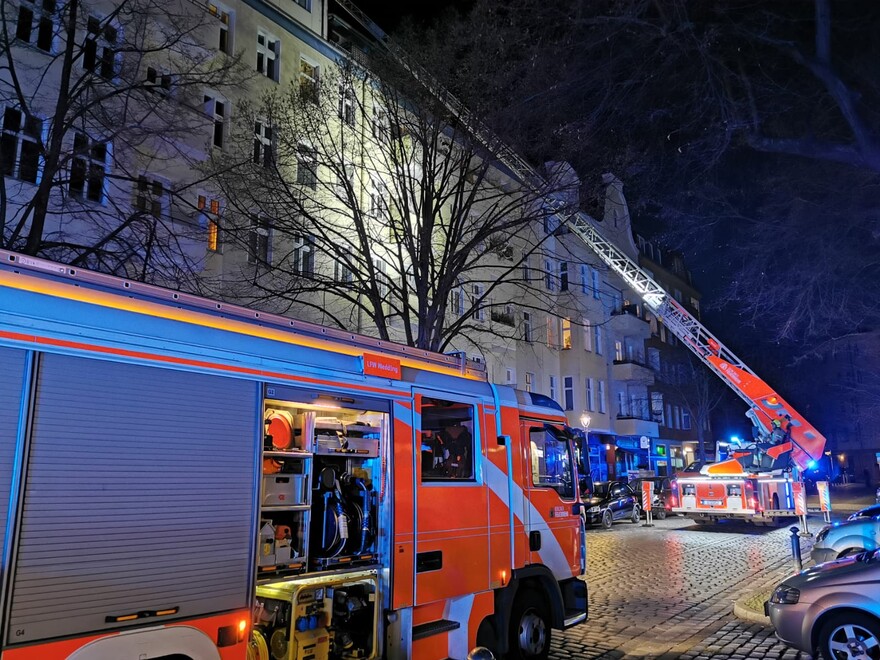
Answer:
(833, 608)
(846, 538)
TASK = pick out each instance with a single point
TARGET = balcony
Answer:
(632, 371)
(625, 321)
(502, 318)
(629, 425)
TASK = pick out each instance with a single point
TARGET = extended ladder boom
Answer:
(765, 404)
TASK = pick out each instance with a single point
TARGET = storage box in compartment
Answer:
(341, 446)
(284, 489)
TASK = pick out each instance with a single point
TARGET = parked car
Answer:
(833, 608)
(846, 538)
(610, 501)
(662, 502)
(877, 495)
(867, 512)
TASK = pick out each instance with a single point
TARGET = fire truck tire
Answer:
(635, 516)
(607, 519)
(529, 626)
(660, 514)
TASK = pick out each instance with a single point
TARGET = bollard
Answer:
(796, 549)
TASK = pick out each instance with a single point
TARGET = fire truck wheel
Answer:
(607, 519)
(635, 516)
(529, 626)
(660, 514)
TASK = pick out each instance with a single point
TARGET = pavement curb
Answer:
(741, 611)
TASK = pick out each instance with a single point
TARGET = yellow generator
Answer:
(326, 617)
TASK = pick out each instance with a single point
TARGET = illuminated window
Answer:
(210, 220)
(566, 333)
(225, 19)
(308, 80)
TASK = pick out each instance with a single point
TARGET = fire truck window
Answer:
(551, 462)
(447, 440)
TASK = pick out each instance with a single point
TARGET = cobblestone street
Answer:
(668, 591)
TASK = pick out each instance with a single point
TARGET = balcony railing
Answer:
(503, 318)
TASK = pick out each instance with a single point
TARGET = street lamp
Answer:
(585, 421)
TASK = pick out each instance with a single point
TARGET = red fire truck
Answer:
(187, 479)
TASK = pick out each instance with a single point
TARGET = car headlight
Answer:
(594, 509)
(783, 595)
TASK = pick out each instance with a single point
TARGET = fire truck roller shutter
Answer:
(12, 366)
(139, 497)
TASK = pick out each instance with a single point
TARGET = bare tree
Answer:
(96, 96)
(700, 391)
(748, 128)
(386, 212)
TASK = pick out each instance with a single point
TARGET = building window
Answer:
(553, 387)
(563, 276)
(598, 340)
(36, 23)
(528, 334)
(264, 152)
(378, 203)
(447, 440)
(566, 333)
(305, 4)
(594, 274)
(678, 417)
(477, 298)
(99, 50)
(210, 220)
(346, 108)
(510, 376)
(268, 51)
(530, 382)
(88, 169)
(622, 410)
(585, 278)
(618, 351)
(526, 269)
(308, 80)
(568, 392)
(591, 395)
(458, 301)
(151, 196)
(380, 127)
(600, 395)
(552, 332)
(215, 108)
(667, 420)
(159, 83)
(306, 166)
(588, 334)
(303, 255)
(654, 359)
(343, 273)
(685, 420)
(225, 18)
(20, 145)
(549, 276)
(657, 408)
(259, 241)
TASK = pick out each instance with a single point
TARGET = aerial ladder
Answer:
(803, 443)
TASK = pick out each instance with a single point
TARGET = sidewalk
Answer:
(845, 499)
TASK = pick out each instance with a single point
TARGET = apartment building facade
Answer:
(567, 328)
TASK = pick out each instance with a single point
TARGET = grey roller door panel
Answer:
(11, 391)
(139, 496)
